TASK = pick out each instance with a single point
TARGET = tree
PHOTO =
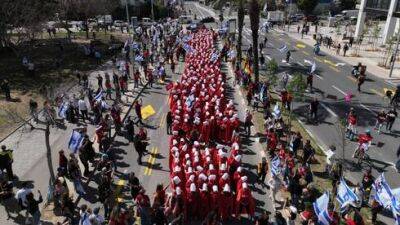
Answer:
(297, 86)
(84, 10)
(240, 30)
(254, 10)
(348, 4)
(20, 20)
(272, 68)
(307, 6)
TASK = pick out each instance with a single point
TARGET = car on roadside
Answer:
(209, 19)
(310, 18)
(118, 23)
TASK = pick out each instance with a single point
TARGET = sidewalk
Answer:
(369, 58)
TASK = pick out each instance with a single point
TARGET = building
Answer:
(386, 8)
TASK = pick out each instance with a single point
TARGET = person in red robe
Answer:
(245, 201)
(192, 202)
(215, 198)
(204, 206)
(224, 180)
(226, 205)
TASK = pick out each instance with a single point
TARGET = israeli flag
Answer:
(135, 46)
(383, 193)
(345, 195)
(189, 101)
(99, 96)
(104, 105)
(139, 58)
(75, 141)
(276, 112)
(214, 56)
(187, 38)
(321, 209)
(313, 67)
(232, 54)
(187, 48)
(283, 49)
(276, 167)
(62, 110)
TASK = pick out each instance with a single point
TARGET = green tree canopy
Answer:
(307, 6)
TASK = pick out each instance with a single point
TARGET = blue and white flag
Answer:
(75, 141)
(214, 56)
(187, 38)
(189, 101)
(139, 58)
(135, 46)
(345, 195)
(99, 96)
(276, 167)
(321, 209)
(383, 194)
(62, 110)
(313, 67)
(187, 48)
(232, 54)
(276, 112)
(283, 49)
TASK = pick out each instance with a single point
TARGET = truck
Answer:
(275, 16)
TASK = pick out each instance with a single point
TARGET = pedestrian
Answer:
(99, 81)
(169, 122)
(310, 78)
(345, 49)
(351, 41)
(6, 161)
(262, 170)
(138, 110)
(21, 198)
(288, 56)
(338, 47)
(84, 214)
(5, 86)
(130, 129)
(314, 109)
(380, 119)
(275, 185)
(136, 79)
(134, 185)
(248, 122)
(139, 147)
(360, 81)
(96, 217)
(83, 109)
(390, 118)
(33, 109)
(33, 207)
(298, 28)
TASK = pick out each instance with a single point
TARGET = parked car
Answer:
(118, 23)
(310, 18)
(185, 19)
(208, 20)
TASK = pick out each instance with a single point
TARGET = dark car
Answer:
(209, 19)
(311, 18)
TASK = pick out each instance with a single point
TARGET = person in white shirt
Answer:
(84, 214)
(21, 198)
(95, 216)
(82, 106)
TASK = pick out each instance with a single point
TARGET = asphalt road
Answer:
(332, 82)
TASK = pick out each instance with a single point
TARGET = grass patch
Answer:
(55, 68)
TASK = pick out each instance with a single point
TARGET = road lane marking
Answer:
(305, 53)
(268, 57)
(329, 110)
(334, 68)
(146, 170)
(163, 118)
(319, 76)
(340, 64)
(318, 59)
(352, 79)
(377, 92)
(344, 93)
(301, 64)
(365, 107)
(299, 45)
(153, 161)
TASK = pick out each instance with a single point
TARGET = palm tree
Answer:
(254, 11)
(240, 29)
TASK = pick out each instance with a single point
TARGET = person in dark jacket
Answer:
(33, 207)
(6, 160)
(169, 122)
(130, 129)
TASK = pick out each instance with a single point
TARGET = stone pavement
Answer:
(368, 58)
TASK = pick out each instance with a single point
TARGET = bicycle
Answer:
(361, 153)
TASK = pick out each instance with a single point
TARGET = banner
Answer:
(75, 141)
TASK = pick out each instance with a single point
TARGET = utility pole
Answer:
(127, 15)
(152, 9)
(393, 58)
